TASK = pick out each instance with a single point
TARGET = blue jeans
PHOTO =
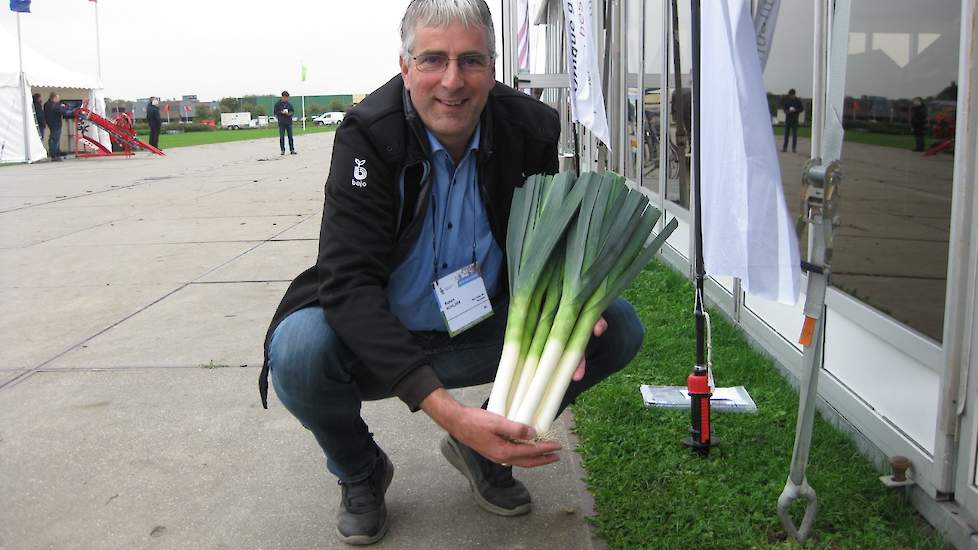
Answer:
(790, 128)
(284, 127)
(317, 377)
(54, 143)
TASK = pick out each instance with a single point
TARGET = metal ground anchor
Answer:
(791, 493)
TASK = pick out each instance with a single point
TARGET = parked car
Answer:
(329, 119)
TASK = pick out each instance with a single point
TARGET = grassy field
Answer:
(900, 141)
(169, 141)
(651, 492)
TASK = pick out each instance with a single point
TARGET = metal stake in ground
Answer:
(699, 383)
(820, 211)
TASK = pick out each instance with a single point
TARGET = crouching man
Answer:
(420, 185)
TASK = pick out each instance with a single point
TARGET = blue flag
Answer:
(20, 5)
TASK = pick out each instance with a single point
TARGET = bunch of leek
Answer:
(573, 245)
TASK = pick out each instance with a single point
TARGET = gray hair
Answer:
(442, 13)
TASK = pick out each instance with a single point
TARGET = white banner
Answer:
(765, 19)
(587, 101)
(747, 231)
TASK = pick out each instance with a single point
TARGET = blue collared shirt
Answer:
(455, 220)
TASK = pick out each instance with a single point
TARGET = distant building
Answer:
(867, 108)
(186, 107)
(139, 108)
(118, 106)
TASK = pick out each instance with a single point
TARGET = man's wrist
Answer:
(442, 408)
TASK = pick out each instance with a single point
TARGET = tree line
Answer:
(250, 104)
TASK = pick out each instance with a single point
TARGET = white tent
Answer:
(41, 74)
(15, 95)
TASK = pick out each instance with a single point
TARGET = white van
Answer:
(329, 119)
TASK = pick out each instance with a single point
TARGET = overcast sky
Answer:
(218, 48)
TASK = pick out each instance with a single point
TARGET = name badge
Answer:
(462, 299)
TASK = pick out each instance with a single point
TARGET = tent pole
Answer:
(24, 90)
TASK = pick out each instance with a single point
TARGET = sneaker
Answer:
(362, 518)
(282, 153)
(493, 486)
(292, 153)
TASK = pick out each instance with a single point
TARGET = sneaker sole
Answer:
(453, 454)
(364, 540)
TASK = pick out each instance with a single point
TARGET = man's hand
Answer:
(489, 434)
(599, 329)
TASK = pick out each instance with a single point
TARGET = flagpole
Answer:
(23, 89)
(697, 177)
(302, 83)
(98, 46)
(699, 382)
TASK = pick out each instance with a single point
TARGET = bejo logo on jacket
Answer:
(359, 173)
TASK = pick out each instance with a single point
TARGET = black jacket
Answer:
(279, 106)
(918, 118)
(39, 115)
(369, 228)
(787, 104)
(53, 113)
(153, 117)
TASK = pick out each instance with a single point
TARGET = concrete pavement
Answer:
(896, 225)
(135, 295)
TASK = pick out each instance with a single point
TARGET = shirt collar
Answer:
(473, 142)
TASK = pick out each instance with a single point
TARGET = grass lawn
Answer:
(651, 492)
(900, 141)
(169, 141)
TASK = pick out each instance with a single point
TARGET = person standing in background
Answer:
(792, 107)
(39, 115)
(154, 120)
(918, 122)
(283, 112)
(54, 112)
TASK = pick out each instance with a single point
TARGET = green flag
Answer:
(303, 72)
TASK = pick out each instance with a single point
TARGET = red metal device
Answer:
(120, 131)
(944, 129)
(698, 385)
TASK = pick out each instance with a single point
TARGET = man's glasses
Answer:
(438, 62)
